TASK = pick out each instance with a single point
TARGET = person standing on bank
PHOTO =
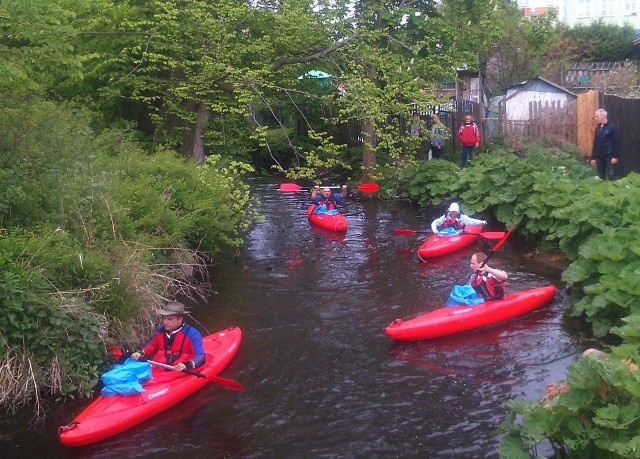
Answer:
(469, 135)
(606, 146)
(175, 342)
(438, 136)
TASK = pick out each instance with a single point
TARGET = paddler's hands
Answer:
(136, 355)
(180, 366)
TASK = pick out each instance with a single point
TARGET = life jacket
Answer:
(329, 203)
(488, 287)
(450, 222)
(173, 349)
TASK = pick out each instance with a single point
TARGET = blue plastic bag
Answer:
(125, 379)
(322, 209)
(450, 231)
(464, 295)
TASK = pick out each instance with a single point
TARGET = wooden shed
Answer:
(537, 89)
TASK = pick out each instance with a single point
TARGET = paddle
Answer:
(365, 187)
(224, 382)
(491, 235)
(498, 245)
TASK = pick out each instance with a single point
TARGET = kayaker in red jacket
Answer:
(488, 282)
(175, 342)
(469, 135)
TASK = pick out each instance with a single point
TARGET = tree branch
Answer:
(313, 57)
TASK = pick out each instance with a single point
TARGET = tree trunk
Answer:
(368, 150)
(193, 141)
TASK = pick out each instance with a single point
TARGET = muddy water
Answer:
(323, 380)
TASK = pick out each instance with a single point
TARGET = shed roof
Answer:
(538, 84)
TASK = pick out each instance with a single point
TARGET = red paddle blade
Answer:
(290, 187)
(404, 231)
(369, 187)
(473, 229)
(504, 239)
(226, 383)
(493, 235)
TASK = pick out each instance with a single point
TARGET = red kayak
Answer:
(108, 416)
(437, 245)
(331, 222)
(456, 319)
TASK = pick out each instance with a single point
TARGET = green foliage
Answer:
(602, 41)
(427, 181)
(94, 231)
(51, 344)
(596, 413)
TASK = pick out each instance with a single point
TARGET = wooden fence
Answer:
(626, 114)
(574, 124)
(549, 119)
(588, 103)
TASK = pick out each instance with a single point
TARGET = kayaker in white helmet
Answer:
(455, 219)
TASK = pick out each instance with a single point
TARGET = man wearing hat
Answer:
(330, 201)
(175, 342)
(454, 219)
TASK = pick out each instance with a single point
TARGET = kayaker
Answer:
(175, 342)
(455, 219)
(488, 282)
(326, 198)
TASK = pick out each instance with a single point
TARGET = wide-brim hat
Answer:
(173, 308)
(454, 207)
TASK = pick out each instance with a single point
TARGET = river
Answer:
(323, 380)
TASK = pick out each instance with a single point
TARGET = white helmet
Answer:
(453, 207)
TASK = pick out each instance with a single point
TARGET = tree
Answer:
(600, 41)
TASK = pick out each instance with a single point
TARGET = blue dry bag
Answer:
(125, 379)
(464, 295)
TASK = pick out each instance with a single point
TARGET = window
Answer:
(630, 7)
(608, 7)
(584, 8)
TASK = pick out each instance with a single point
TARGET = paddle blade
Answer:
(227, 383)
(493, 235)
(404, 231)
(473, 229)
(504, 239)
(369, 187)
(290, 187)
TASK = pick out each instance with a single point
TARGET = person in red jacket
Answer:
(469, 135)
(175, 342)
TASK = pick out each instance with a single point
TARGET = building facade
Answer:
(576, 12)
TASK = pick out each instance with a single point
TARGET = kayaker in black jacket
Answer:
(606, 146)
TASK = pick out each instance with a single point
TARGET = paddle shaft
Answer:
(366, 187)
(224, 382)
(498, 245)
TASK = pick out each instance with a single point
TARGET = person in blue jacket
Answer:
(326, 198)
(606, 146)
(175, 342)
